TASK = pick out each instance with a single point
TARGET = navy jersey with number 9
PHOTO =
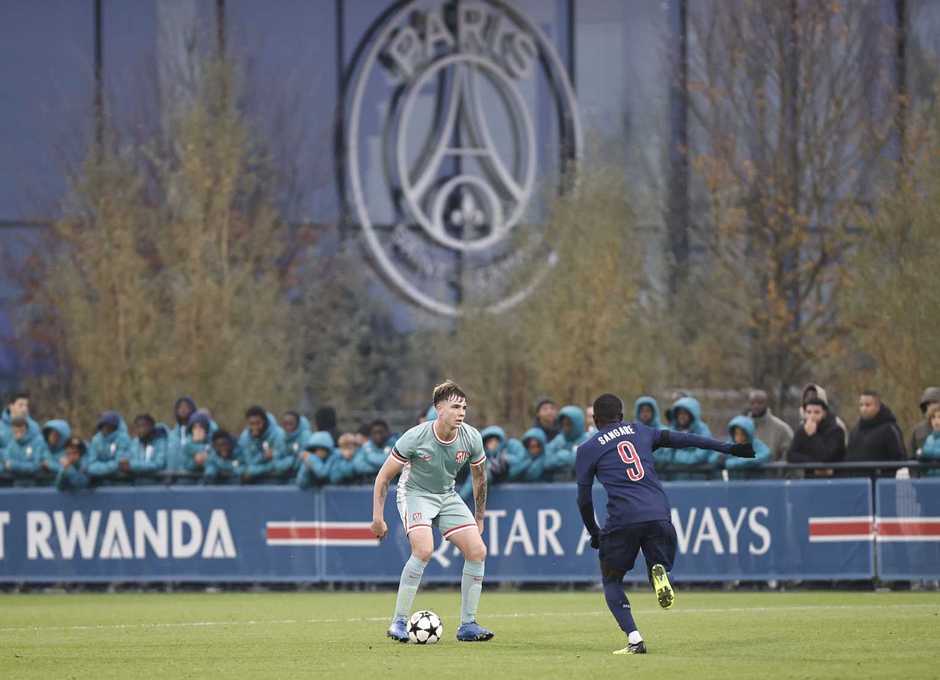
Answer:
(621, 457)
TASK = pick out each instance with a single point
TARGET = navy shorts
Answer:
(620, 547)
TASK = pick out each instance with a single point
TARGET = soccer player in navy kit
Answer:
(620, 455)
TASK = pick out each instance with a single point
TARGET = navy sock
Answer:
(619, 605)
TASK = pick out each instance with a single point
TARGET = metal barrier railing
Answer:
(669, 472)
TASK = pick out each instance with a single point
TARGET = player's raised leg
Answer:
(422, 545)
(470, 543)
(659, 549)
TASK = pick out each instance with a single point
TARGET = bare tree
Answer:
(163, 276)
(788, 102)
(584, 330)
(892, 301)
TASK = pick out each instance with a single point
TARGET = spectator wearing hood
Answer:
(55, 434)
(317, 461)
(497, 448)
(372, 454)
(24, 453)
(71, 475)
(819, 439)
(261, 444)
(646, 411)
(930, 451)
(196, 449)
(560, 452)
(922, 430)
(546, 418)
(110, 451)
(223, 465)
(148, 449)
(183, 410)
(768, 428)
(527, 464)
(741, 430)
(685, 415)
(816, 391)
(876, 436)
(296, 434)
(17, 407)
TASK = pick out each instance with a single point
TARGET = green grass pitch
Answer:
(538, 635)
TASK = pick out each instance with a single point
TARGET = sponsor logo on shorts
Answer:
(415, 516)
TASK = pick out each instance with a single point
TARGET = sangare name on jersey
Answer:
(431, 464)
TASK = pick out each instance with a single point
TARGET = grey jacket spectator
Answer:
(768, 428)
(930, 396)
(876, 436)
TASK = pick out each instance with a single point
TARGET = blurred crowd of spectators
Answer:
(289, 449)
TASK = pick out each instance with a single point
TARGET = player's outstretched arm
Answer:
(682, 440)
(389, 470)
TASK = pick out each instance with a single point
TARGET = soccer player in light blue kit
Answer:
(428, 457)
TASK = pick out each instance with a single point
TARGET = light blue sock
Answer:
(408, 586)
(471, 585)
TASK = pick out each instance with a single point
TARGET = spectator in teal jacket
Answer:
(296, 434)
(646, 411)
(148, 449)
(497, 448)
(71, 475)
(110, 451)
(56, 434)
(317, 461)
(686, 416)
(343, 466)
(24, 453)
(183, 410)
(930, 451)
(261, 444)
(196, 449)
(560, 452)
(528, 464)
(741, 431)
(224, 465)
(371, 455)
(17, 407)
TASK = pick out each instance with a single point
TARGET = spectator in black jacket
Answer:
(876, 436)
(819, 439)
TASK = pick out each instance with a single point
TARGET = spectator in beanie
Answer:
(815, 391)
(546, 418)
(930, 396)
(108, 458)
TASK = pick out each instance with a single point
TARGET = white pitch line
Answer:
(515, 615)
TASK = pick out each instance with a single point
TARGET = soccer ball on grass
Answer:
(425, 628)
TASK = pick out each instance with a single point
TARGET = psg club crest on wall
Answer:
(457, 115)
